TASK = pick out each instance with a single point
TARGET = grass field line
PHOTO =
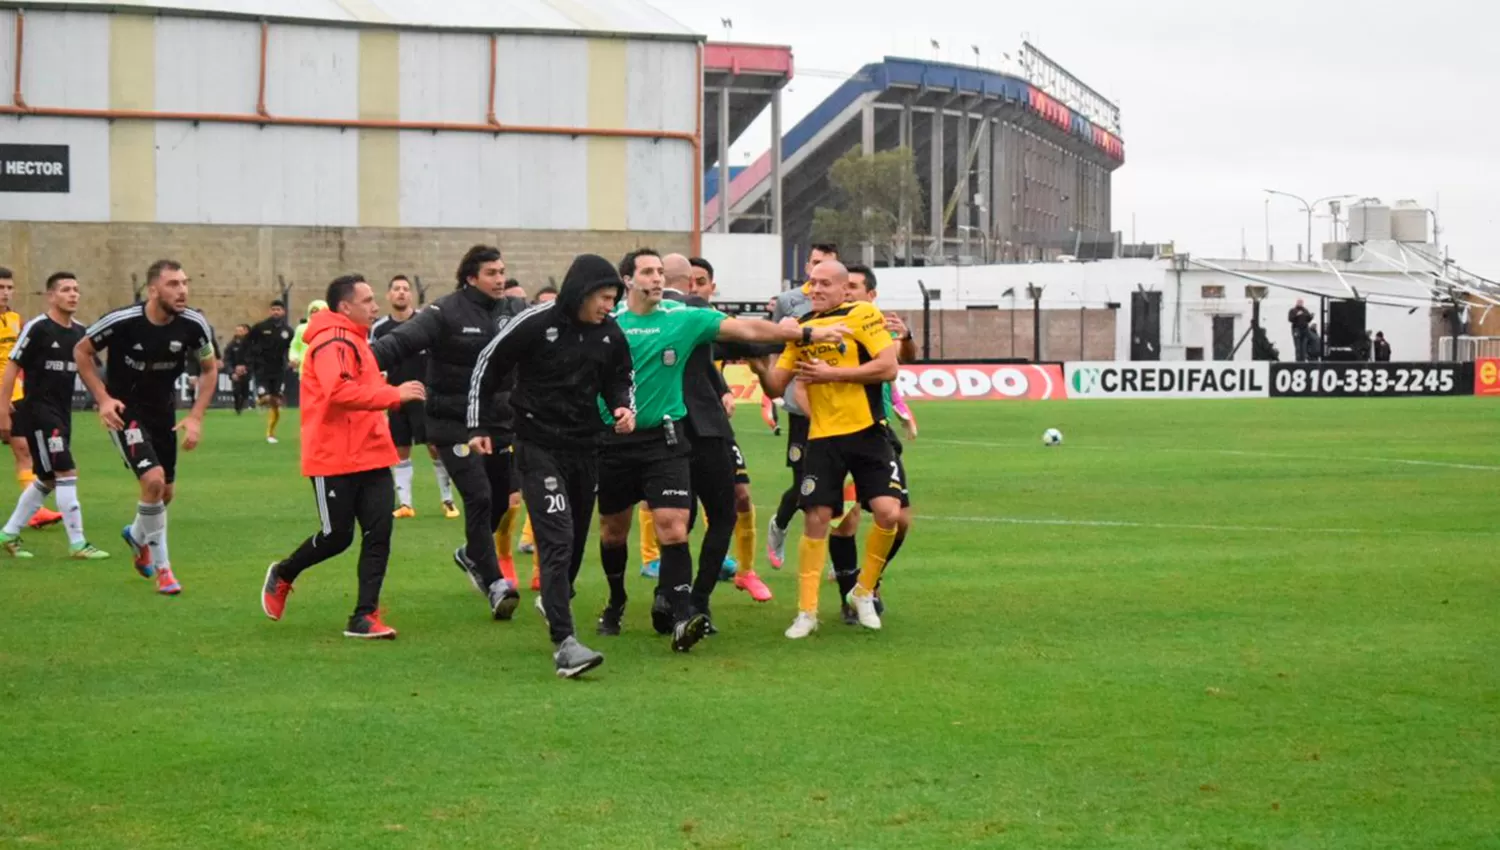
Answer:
(1478, 467)
(1190, 526)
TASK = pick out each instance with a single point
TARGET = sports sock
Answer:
(895, 547)
(67, 502)
(787, 508)
(150, 528)
(744, 540)
(650, 551)
(273, 418)
(445, 484)
(677, 578)
(614, 558)
(30, 501)
(526, 534)
(502, 546)
(25, 477)
(877, 550)
(845, 555)
(402, 472)
(810, 557)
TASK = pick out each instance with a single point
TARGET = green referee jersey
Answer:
(660, 342)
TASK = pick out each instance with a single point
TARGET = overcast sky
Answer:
(1218, 99)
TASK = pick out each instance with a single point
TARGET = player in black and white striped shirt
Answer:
(149, 345)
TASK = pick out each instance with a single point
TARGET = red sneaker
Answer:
(370, 628)
(749, 582)
(43, 518)
(273, 593)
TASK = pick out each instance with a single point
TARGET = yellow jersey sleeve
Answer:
(10, 331)
(867, 324)
(788, 358)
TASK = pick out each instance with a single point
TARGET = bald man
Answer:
(653, 464)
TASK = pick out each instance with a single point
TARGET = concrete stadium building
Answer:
(292, 140)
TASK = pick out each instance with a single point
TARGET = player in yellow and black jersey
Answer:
(10, 331)
(847, 436)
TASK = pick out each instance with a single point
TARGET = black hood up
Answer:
(588, 274)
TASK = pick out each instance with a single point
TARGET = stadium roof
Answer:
(592, 17)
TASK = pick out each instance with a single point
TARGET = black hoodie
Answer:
(562, 366)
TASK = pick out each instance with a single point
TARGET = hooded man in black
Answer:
(565, 356)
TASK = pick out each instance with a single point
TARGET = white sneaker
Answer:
(864, 608)
(775, 544)
(804, 625)
(272, 440)
(540, 608)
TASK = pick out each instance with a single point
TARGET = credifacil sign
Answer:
(1156, 379)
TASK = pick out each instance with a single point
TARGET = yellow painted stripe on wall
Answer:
(607, 159)
(132, 144)
(379, 150)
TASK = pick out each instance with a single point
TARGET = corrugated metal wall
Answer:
(180, 172)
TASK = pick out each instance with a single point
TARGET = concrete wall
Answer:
(990, 334)
(245, 173)
(234, 270)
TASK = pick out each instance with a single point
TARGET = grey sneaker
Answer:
(503, 599)
(573, 659)
(775, 544)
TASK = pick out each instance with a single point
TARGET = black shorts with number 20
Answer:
(866, 456)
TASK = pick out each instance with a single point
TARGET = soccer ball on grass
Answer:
(1052, 437)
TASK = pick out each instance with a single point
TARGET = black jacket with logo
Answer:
(269, 341)
(561, 366)
(452, 331)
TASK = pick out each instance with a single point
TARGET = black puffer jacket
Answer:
(561, 366)
(452, 331)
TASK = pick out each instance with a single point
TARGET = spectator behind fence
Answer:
(1301, 321)
(1382, 348)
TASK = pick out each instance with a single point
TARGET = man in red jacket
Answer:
(347, 451)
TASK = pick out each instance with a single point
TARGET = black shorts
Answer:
(741, 469)
(648, 471)
(50, 439)
(409, 424)
(269, 382)
(148, 442)
(796, 442)
(866, 456)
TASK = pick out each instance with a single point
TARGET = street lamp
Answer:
(1309, 209)
(984, 241)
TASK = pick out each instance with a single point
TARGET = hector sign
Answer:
(34, 168)
(980, 382)
(1156, 379)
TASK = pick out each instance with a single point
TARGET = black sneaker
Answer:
(609, 621)
(661, 616)
(879, 603)
(687, 633)
(850, 617)
(463, 562)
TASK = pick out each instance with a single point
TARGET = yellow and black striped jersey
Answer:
(837, 409)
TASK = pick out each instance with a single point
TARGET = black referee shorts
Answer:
(645, 470)
(409, 424)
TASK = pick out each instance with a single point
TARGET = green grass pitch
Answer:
(1258, 624)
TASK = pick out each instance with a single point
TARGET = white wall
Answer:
(247, 174)
(747, 266)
